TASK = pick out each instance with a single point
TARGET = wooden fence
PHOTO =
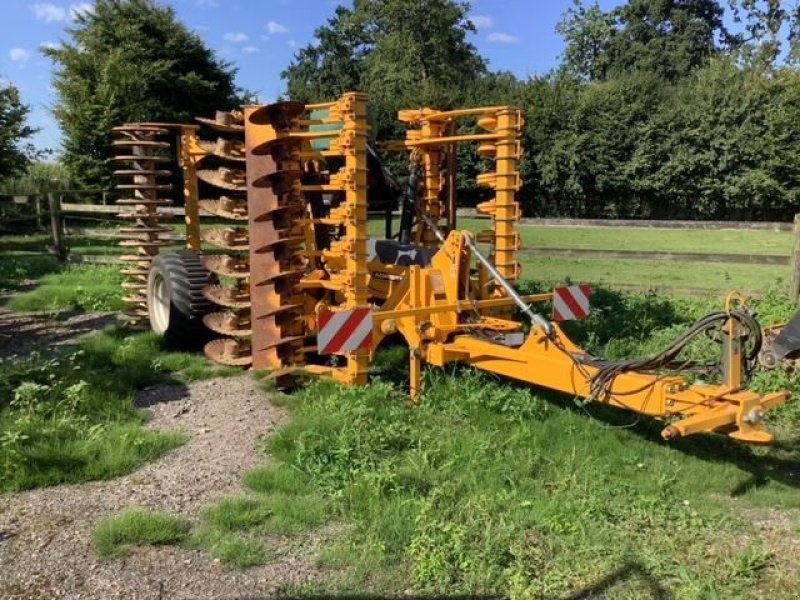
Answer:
(58, 210)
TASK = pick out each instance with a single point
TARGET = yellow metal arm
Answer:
(423, 309)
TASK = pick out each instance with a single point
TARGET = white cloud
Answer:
(482, 21)
(49, 13)
(52, 45)
(19, 56)
(79, 9)
(250, 50)
(292, 44)
(236, 38)
(502, 38)
(206, 3)
(274, 28)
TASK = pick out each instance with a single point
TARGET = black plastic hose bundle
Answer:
(667, 359)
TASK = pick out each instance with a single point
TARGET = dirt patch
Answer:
(23, 332)
(45, 535)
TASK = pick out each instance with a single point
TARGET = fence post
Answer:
(794, 287)
(57, 226)
(39, 212)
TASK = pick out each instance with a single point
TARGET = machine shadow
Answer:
(652, 589)
(782, 464)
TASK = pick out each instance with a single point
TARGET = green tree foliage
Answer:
(726, 146)
(658, 110)
(403, 53)
(130, 60)
(13, 130)
(39, 177)
(667, 38)
(764, 21)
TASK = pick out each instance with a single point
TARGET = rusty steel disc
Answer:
(284, 341)
(227, 296)
(133, 143)
(229, 266)
(225, 121)
(229, 352)
(223, 148)
(228, 323)
(282, 182)
(228, 208)
(142, 173)
(227, 179)
(283, 308)
(159, 187)
(282, 238)
(279, 114)
(143, 216)
(141, 158)
(134, 299)
(140, 128)
(143, 243)
(230, 238)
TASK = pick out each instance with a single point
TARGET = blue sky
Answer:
(260, 37)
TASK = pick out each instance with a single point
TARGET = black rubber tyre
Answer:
(175, 300)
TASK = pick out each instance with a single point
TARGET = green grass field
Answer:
(487, 487)
(671, 276)
(490, 487)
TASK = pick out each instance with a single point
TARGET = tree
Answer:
(764, 21)
(402, 53)
(667, 38)
(587, 34)
(130, 60)
(727, 146)
(13, 130)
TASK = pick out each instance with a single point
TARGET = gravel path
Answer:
(45, 545)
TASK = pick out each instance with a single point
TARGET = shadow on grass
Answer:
(630, 572)
(627, 572)
(19, 333)
(712, 448)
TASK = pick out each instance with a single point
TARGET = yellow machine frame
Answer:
(452, 310)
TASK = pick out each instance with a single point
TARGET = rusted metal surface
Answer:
(142, 152)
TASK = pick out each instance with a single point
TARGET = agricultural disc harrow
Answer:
(144, 181)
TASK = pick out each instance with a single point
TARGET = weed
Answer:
(276, 479)
(237, 513)
(236, 550)
(116, 536)
(69, 416)
(78, 287)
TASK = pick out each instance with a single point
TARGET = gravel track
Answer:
(45, 543)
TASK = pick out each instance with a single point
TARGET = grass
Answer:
(641, 239)
(69, 416)
(116, 536)
(716, 241)
(491, 487)
(86, 288)
(647, 273)
(653, 274)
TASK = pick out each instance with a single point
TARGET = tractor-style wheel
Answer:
(175, 301)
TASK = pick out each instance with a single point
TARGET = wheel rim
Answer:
(159, 305)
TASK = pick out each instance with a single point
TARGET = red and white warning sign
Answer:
(571, 302)
(344, 331)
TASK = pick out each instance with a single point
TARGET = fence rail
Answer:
(57, 210)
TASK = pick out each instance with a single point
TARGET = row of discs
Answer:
(143, 181)
(231, 261)
(278, 232)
